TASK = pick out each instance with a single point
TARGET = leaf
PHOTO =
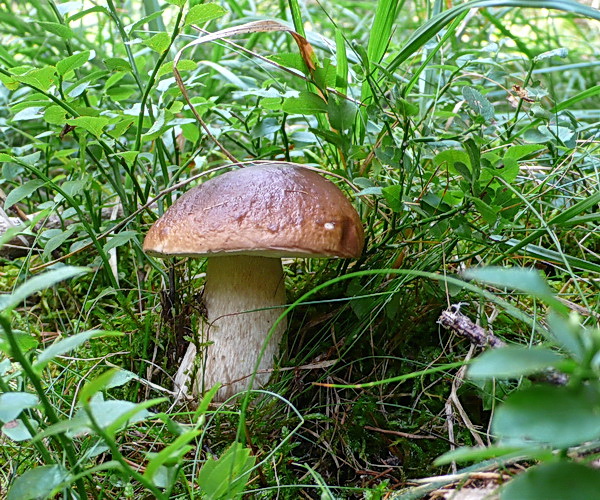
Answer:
(25, 341)
(57, 240)
(182, 65)
(67, 345)
(226, 477)
(523, 279)
(568, 333)
(38, 482)
(120, 377)
(135, 413)
(159, 42)
(478, 103)
(561, 479)
(551, 255)
(342, 113)
(177, 3)
(561, 52)
(548, 415)
(21, 192)
(57, 29)
(488, 213)
(107, 413)
(31, 113)
(452, 157)
(392, 195)
(55, 115)
(92, 124)
(117, 64)
(172, 454)
(290, 60)
(41, 78)
(39, 283)
(523, 150)
(128, 156)
(73, 62)
(479, 453)
(200, 14)
(145, 20)
(513, 361)
(17, 431)
(307, 103)
(13, 403)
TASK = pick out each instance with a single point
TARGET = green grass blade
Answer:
(432, 27)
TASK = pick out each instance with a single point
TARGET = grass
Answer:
(466, 136)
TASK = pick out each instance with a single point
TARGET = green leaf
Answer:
(206, 400)
(226, 477)
(92, 124)
(560, 52)
(120, 377)
(57, 29)
(109, 413)
(392, 195)
(182, 65)
(478, 103)
(177, 3)
(67, 345)
(488, 213)
(479, 453)
(342, 113)
(307, 103)
(200, 14)
(523, 150)
(159, 42)
(128, 156)
(452, 157)
(548, 415)
(135, 413)
(41, 78)
(38, 482)
(23, 191)
(513, 361)
(17, 431)
(117, 64)
(57, 240)
(568, 333)
(13, 403)
(405, 108)
(25, 341)
(145, 20)
(38, 283)
(523, 279)
(560, 480)
(55, 115)
(73, 62)
(172, 454)
(289, 60)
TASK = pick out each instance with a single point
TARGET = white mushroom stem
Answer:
(243, 296)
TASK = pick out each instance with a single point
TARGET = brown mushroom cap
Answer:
(270, 210)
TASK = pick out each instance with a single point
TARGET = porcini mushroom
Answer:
(245, 221)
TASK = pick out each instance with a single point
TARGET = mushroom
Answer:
(245, 221)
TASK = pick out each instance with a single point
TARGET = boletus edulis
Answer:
(244, 222)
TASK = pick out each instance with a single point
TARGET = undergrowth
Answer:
(466, 136)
